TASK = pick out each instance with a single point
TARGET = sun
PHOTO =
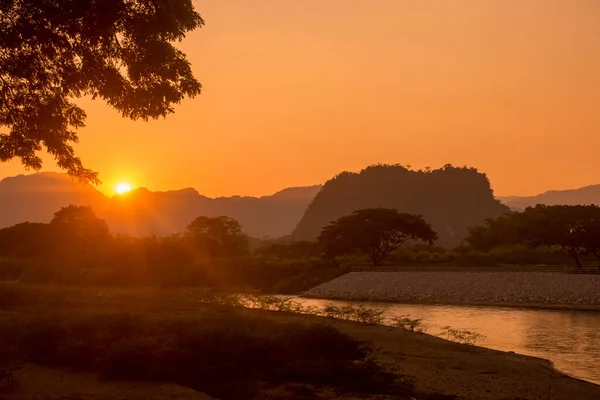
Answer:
(123, 187)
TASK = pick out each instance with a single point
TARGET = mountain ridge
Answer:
(584, 195)
(35, 198)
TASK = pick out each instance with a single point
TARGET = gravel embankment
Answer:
(458, 287)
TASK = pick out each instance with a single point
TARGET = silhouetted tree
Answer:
(79, 228)
(218, 235)
(502, 231)
(547, 226)
(375, 232)
(52, 51)
(292, 250)
(169, 258)
(28, 239)
(591, 241)
(575, 229)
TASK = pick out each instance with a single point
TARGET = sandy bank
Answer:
(469, 372)
(437, 366)
(518, 289)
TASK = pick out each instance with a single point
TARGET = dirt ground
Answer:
(437, 365)
(471, 373)
(38, 383)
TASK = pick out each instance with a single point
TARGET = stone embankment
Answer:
(465, 287)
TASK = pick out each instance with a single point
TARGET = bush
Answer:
(12, 268)
(517, 255)
(460, 335)
(408, 323)
(222, 355)
(354, 313)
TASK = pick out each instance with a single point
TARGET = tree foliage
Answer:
(575, 229)
(218, 235)
(375, 232)
(54, 51)
(27, 239)
(78, 226)
(501, 231)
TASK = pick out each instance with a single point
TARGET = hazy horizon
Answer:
(295, 93)
(110, 191)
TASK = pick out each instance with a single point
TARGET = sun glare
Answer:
(123, 188)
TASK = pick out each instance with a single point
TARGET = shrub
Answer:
(222, 355)
(354, 313)
(460, 335)
(409, 324)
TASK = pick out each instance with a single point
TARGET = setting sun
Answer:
(123, 188)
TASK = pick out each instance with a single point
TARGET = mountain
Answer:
(450, 199)
(36, 197)
(141, 212)
(584, 195)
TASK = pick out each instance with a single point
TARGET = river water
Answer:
(570, 339)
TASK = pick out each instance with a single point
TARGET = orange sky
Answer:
(297, 91)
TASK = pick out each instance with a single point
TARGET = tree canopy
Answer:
(54, 51)
(27, 239)
(218, 235)
(575, 229)
(79, 226)
(375, 232)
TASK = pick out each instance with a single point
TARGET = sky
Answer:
(295, 92)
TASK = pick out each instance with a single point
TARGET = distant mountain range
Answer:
(584, 195)
(37, 197)
(449, 200)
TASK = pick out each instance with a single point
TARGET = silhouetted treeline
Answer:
(574, 229)
(76, 247)
(450, 199)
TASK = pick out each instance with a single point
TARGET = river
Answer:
(570, 339)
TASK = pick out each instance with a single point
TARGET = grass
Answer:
(181, 300)
(195, 338)
(226, 356)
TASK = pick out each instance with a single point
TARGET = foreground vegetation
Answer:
(226, 356)
(184, 336)
(199, 339)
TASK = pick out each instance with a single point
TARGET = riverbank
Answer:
(470, 372)
(508, 289)
(434, 365)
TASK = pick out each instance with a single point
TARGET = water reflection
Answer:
(570, 339)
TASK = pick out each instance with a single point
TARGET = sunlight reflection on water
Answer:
(570, 339)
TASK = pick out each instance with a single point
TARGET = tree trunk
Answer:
(377, 256)
(597, 255)
(573, 253)
(376, 260)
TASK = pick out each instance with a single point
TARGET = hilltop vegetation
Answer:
(450, 199)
